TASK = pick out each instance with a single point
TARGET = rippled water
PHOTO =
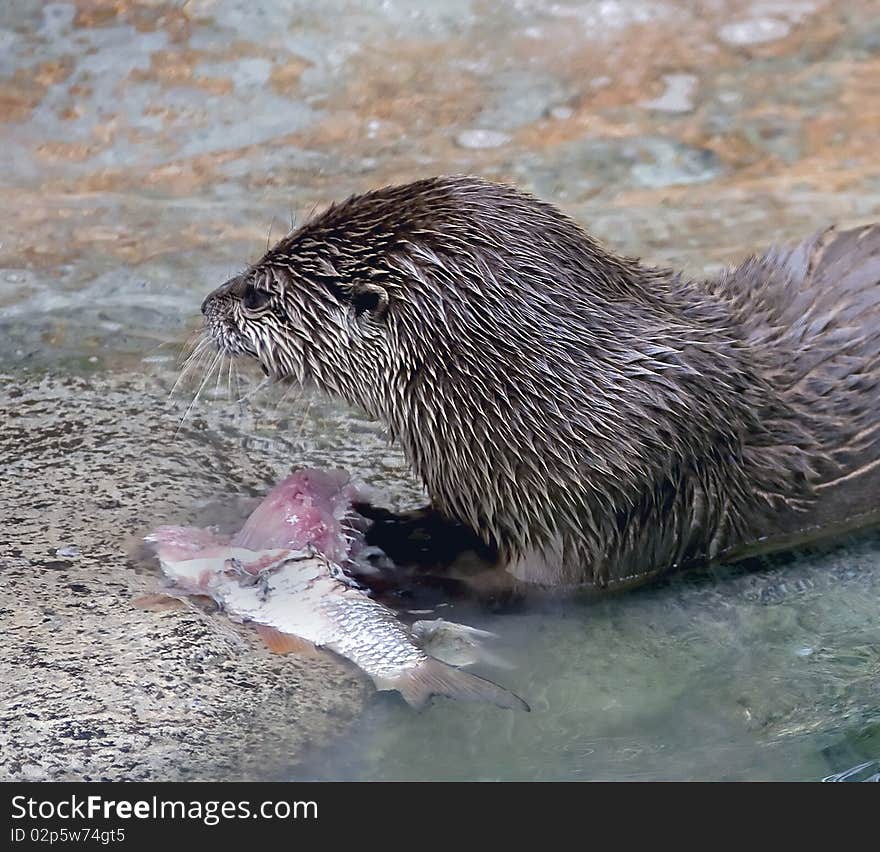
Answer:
(765, 674)
(152, 145)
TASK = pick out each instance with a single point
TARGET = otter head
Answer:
(402, 290)
(311, 311)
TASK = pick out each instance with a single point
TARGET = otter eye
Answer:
(370, 299)
(366, 301)
(254, 299)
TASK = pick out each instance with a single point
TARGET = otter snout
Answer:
(232, 287)
(206, 302)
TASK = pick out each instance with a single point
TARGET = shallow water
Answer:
(766, 674)
(151, 147)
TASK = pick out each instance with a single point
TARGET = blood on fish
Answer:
(284, 573)
(306, 508)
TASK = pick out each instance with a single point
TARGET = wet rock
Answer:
(583, 167)
(679, 94)
(754, 31)
(520, 98)
(668, 163)
(482, 138)
(95, 688)
(69, 552)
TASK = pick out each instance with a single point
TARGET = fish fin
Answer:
(433, 677)
(494, 660)
(423, 626)
(158, 603)
(284, 643)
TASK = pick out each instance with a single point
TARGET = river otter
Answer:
(592, 419)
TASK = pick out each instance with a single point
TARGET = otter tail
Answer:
(432, 677)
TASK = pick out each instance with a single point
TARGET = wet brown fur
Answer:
(594, 419)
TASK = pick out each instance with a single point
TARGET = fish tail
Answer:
(435, 678)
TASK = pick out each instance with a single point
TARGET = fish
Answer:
(456, 644)
(284, 572)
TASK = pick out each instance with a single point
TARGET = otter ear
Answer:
(369, 298)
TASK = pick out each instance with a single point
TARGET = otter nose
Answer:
(206, 302)
(229, 286)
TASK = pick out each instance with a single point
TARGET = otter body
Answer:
(593, 420)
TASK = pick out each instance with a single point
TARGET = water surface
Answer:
(762, 674)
